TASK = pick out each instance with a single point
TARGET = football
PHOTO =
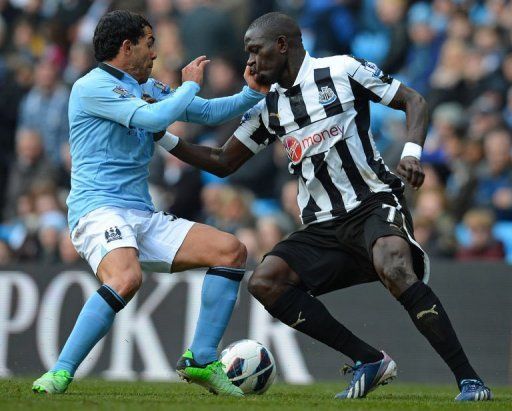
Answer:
(249, 365)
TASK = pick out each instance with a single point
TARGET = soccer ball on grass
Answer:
(249, 365)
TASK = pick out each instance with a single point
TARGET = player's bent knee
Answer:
(392, 261)
(126, 283)
(390, 253)
(233, 253)
(259, 285)
(266, 286)
(397, 279)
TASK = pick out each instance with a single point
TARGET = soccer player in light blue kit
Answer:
(112, 220)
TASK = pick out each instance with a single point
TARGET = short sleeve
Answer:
(108, 100)
(377, 86)
(252, 131)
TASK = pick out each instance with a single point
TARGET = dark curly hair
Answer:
(114, 28)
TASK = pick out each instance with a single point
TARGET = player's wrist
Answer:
(250, 92)
(192, 84)
(412, 150)
(169, 141)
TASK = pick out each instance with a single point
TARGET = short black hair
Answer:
(277, 24)
(114, 28)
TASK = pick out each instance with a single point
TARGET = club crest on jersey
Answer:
(112, 234)
(245, 117)
(293, 149)
(123, 93)
(326, 96)
(164, 88)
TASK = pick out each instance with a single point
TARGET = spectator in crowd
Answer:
(211, 203)
(289, 202)
(331, 25)
(45, 108)
(9, 15)
(447, 80)
(169, 47)
(431, 208)
(392, 15)
(485, 115)
(51, 221)
(206, 29)
(29, 168)
(425, 47)
(482, 244)
(494, 179)
(461, 180)
(26, 42)
(235, 209)
(460, 27)
(80, 62)
(67, 252)
(249, 238)
(447, 120)
(270, 230)
(14, 83)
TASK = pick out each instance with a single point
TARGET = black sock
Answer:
(430, 318)
(308, 315)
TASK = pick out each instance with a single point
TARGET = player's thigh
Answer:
(162, 236)
(101, 231)
(206, 246)
(105, 238)
(393, 226)
(323, 269)
(275, 270)
(171, 244)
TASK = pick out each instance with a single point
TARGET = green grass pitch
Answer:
(87, 394)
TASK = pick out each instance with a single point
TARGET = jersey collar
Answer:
(118, 74)
(301, 75)
(304, 69)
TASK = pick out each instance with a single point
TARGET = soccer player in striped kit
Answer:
(358, 227)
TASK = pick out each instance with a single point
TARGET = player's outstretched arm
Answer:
(416, 112)
(221, 161)
(158, 116)
(219, 110)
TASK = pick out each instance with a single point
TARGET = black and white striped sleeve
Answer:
(379, 87)
(252, 131)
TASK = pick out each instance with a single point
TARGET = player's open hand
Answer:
(194, 71)
(410, 169)
(252, 83)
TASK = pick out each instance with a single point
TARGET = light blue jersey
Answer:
(111, 147)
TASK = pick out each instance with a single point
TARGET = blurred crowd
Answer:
(457, 53)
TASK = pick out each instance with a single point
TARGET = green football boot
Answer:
(211, 376)
(53, 382)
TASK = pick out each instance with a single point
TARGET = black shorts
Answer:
(338, 254)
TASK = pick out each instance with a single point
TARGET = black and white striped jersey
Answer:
(323, 121)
